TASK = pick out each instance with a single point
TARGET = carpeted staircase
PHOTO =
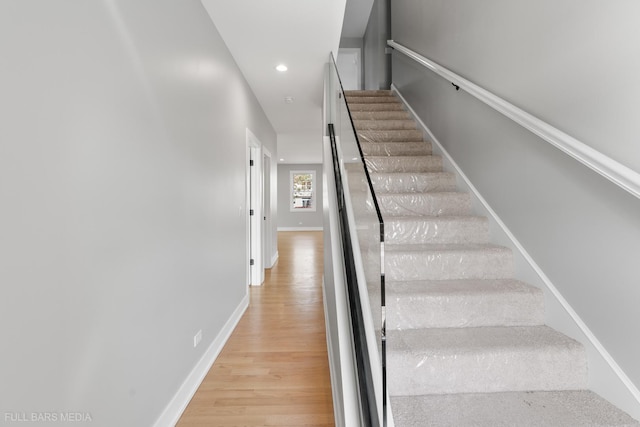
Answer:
(466, 341)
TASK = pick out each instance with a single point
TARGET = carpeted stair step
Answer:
(384, 182)
(380, 115)
(466, 342)
(436, 229)
(378, 149)
(351, 100)
(390, 135)
(432, 204)
(361, 93)
(387, 106)
(483, 360)
(447, 262)
(463, 303)
(384, 124)
(404, 163)
(571, 408)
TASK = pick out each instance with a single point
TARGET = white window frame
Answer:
(313, 198)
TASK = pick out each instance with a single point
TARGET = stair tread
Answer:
(436, 229)
(403, 157)
(458, 341)
(465, 287)
(413, 176)
(401, 133)
(400, 175)
(434, 203)
(388, 106)
(404, 121)
(412, 182)
(404, 163)
(576, 408)
(410, 218)
(380, 115)
(403, 124)
(371, 99)
(463, 303)
(369, 92)
(484, 359)
(393, 148)
(394, 141)
(426, 193)
(444, 247)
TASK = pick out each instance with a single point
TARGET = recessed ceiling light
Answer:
(282, 68)
(282, 160)
(288, 99)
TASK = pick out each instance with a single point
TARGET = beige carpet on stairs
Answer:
(467, 344)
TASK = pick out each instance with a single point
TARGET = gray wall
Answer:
(377, 71)
(122, 191)
(302, 220)
(572, 63)
(575, 65)
(352, 42)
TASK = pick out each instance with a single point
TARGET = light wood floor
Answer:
(274, 369)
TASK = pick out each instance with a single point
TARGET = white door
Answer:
(349, 68)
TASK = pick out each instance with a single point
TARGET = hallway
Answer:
(274, 370)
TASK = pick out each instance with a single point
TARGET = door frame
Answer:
(255, 271)
(267, 237)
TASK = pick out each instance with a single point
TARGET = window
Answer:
(303, 188)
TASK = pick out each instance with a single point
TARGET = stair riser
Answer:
(372, 100)
(368, 92)
(437, 230)
(380, 115)
(449, 265)
(376, 107)
(412, 183)
(495, 370)
(457, 311)
(433, 204)
(362, 125)
(390, 136)
(404, 164)
(396, 148)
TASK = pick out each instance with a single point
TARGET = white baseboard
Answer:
(300, 228)
(610, 380)
(181, 399)
(274, 259)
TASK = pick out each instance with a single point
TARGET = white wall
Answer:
(122, 192)
(298, 220)
(572, 64)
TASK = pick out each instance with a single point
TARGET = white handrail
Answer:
(614, 171)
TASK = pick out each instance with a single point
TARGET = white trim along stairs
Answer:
(466, 341)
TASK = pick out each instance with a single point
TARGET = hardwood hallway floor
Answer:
(274, 370)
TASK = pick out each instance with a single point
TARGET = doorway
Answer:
(350, 68)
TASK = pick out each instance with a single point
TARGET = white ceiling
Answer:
(301, 34)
